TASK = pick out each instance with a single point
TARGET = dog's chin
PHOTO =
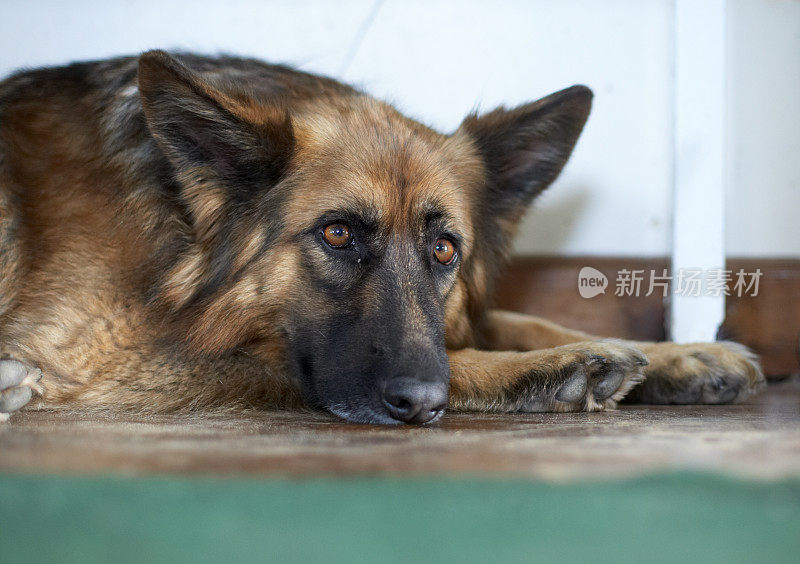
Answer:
(362, 415)
(370, 416)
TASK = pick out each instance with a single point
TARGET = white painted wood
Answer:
(699, 178)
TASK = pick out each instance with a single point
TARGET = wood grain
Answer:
(769, 322)
(634, 440)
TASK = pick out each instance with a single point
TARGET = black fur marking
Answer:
(525, 148)
(197, 133)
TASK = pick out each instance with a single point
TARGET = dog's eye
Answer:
(444, 250)
(337, 235)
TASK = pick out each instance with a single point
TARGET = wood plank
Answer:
(548, 287)
(634, 440)
(768, 322)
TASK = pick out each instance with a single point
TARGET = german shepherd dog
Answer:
(181, 232)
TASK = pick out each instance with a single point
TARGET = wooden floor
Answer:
(760, 438)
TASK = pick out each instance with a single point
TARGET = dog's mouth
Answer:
(381, 395)
(360, 402)
(365, 416)
(371, 416)
(400, 400)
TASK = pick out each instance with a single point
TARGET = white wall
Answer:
(439, 59)
(763, 196)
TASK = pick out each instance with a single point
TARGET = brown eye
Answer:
(337, 235)
(444, 250)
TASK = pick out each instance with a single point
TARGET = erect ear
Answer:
(225, 149)
(524, 149)
(224, 146)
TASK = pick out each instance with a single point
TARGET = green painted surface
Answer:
(660, 518)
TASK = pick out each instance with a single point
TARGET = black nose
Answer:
(412, 401)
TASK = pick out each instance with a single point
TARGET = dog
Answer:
(180, 232)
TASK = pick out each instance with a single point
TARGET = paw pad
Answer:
(610, 383)
(573, 389)
(17, 384)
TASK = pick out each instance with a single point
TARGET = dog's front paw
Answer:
(702, 373)
(590, 376)
(17, 384)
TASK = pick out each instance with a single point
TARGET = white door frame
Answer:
(698, 238)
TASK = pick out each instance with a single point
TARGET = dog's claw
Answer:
(589, 376)
(699, 373)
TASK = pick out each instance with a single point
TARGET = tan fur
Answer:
(676, 373)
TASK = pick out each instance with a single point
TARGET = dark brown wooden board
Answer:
(769, 322)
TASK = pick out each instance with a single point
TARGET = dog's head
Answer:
(337, 238)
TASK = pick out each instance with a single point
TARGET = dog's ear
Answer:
(524, 149)
(222, 145)
(226, 149)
